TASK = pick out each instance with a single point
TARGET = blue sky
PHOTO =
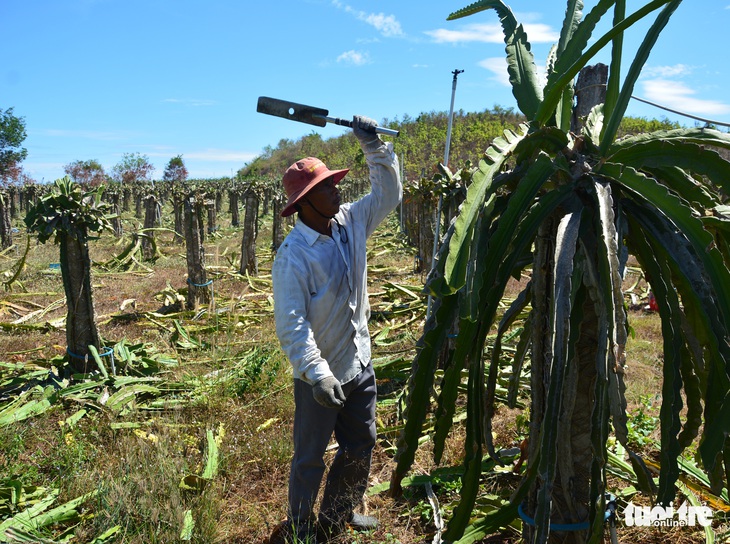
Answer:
(98, 78)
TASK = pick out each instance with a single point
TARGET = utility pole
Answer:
(451, 117)
(437, 233)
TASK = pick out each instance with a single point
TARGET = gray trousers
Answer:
(354, 428)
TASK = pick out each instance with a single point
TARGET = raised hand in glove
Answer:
(328, 392)
(364, 130)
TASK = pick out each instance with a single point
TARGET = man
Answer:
(321, 310)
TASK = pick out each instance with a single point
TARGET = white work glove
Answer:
(328, 392)
(364, 130)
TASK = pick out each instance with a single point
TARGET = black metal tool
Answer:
(307, 114)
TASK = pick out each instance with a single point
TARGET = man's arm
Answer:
(386, 188)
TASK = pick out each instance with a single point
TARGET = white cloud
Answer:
(488, 33)
(498, 67)
(189, 101)
(491, 33)
(676, 95)
(387, 25)
(667, 71)
(354, 57)
(541, 33)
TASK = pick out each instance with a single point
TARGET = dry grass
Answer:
(138, 474)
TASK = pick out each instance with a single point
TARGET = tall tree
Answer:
(568, 205)
(133, 167)
(175, 170)
(88, 173)
(12, 136)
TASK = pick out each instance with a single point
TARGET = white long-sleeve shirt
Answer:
(321, 305)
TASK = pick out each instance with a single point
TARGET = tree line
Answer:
(420, 146)
(88, 199)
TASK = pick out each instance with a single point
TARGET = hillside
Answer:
(420, 144)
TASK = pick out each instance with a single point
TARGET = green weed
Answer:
(641, 424)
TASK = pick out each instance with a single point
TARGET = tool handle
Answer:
(348, 123)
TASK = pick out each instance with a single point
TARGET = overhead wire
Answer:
(708, 121)
(682, 113)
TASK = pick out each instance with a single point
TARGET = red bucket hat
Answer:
(302, 176)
